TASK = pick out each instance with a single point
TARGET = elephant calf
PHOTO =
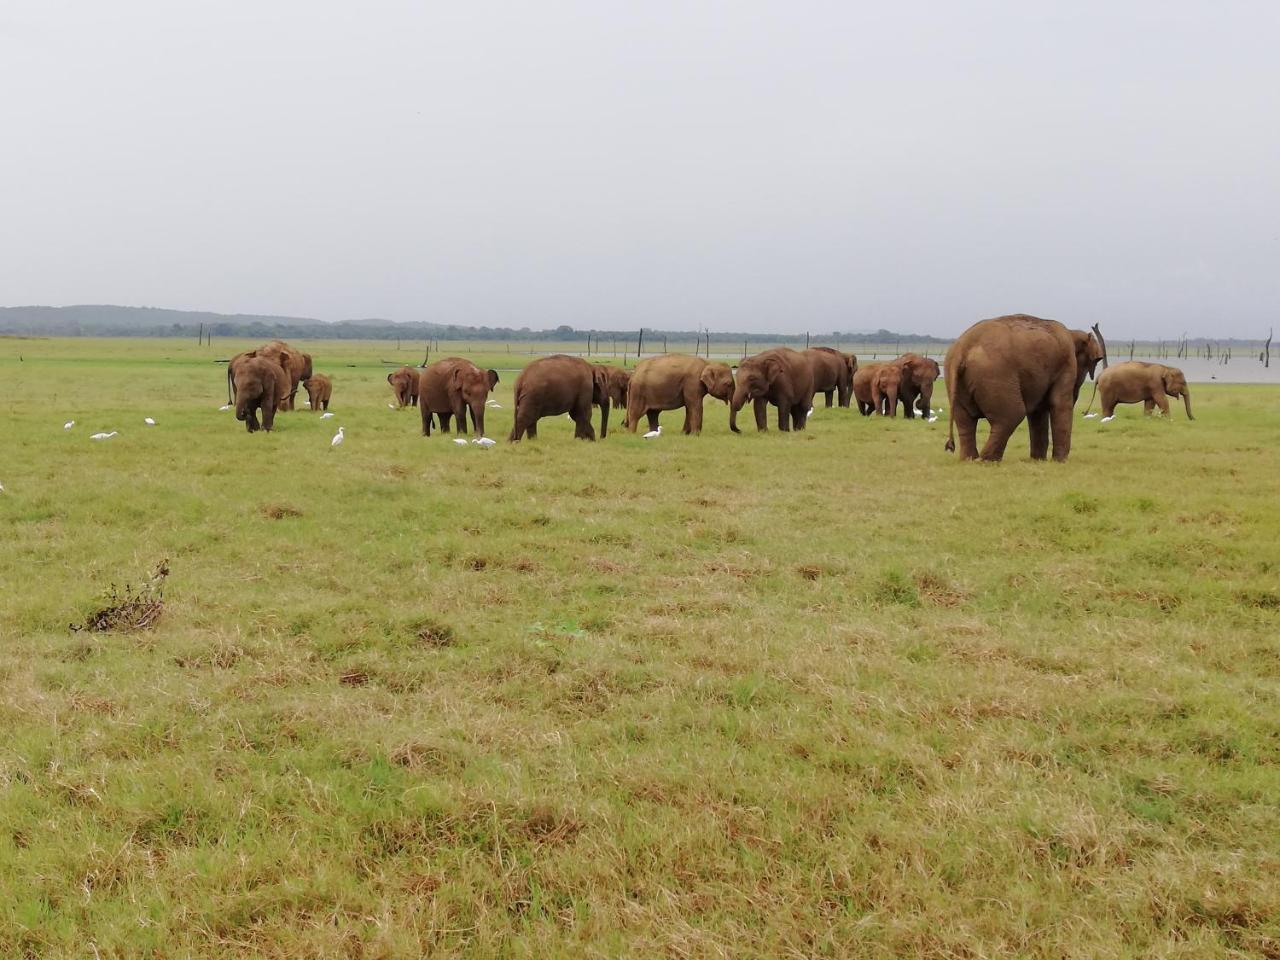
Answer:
(782, 377)
(559, 384)
(256, 384)
(319, 390)
(452, 387)
(1151, 383)
(404, 382)
(676, 380)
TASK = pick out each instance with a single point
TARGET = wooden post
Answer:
(1131, 343)
(200, 338)
(806, 339)
(639, 345)
(1097, 332)
(1267, 355)
(664, 343)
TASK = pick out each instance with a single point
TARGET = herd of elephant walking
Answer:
(1004, 370)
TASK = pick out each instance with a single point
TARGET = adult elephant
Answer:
(450, 388)
(676, 380)
(296, 363)
(918, 376)
(782, 377)
(832, 373)
(559, 384)
(863, 378)
(1008, 369)
(404, 384)
(278, 372)
(255, 381)
(1151, 383)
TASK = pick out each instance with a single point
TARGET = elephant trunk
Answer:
(1186, 401)
(477, 417)
(736, 404)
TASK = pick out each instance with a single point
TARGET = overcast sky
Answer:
(743, 165)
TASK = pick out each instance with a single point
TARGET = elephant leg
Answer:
(1038, 425)
(693, 416)
(582, 428)
(426, 422)
(784, 416)
(1162, 401)
(827, 397)
(967, 429)
(1060, 422)
(1147, 406)
(760, 407)
(460, 413)
(891, 401)
(800, 416)
(998, 439)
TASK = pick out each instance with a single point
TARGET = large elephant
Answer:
(918, 376)
(319, 391)
(450, 388)
(781, 376)
(280, 374)
(1008, 369)
(559, 384)
(676, 380)
(832, 373)
(296, 363)
(255, 381)
(888, 383)
(1151, 383)
(404, 383)
(863, 378)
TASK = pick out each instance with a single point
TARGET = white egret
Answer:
(1107, 419)
(104, 436)
(652, 434)
(391, 406)
(933, 419)
(225, 406)
(1090, 416)
(496, 406)
(1, 488)
(484, 442)
(337, 438)
(149, 422)
(326, 416)
(459, 440)
(810, 413)
(68, 425)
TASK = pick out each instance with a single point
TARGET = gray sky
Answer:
(747, 165)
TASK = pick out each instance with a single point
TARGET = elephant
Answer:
(319, 391)
(550, 386)
(1152, 383)
(919, 373)
(280, 374)
(832, 373)
(450, 388)
(676, 380)
(255, 381)
(887, 386)
(781, 376)
(863, 377)
(404, 383)
(1012, 368)
(619, 383)
(294, 362)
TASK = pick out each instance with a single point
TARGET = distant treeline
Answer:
(112, 321)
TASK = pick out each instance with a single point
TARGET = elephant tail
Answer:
(230, 398)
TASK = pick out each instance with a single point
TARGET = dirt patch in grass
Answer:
(938, 591)
(280, 511)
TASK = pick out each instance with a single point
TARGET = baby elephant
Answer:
(1151, 383)
(319, 390)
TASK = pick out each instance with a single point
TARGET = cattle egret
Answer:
(810, 413)
(484, 442)
(459, 440)
(68, 425)
(337, 438)
(391, 406)
(104, 436)
(652, 434)
(496, 406)
(149, 422)
(225, 406)
(1, 488)
(1090, 416)
(326, 416)
(1107, 419)
(933, 419)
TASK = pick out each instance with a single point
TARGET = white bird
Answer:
(1107, 419)
(652, 434)
(149, 422)
(460, 440)
(326, 416)
(68, 425)
(933, 419)
(104, 436)
(225, 406)
(810, 413)
(484, 442)
(337, 438)
(391, 406)
(1090, 416)
(1, 488)
(496, 406)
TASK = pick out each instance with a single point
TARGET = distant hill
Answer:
(115, 321)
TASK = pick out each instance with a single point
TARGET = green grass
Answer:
(821, 694)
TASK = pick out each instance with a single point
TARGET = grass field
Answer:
(831, 693)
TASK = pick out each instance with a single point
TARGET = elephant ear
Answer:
(492, 377)
(851, 362)
(456, 379)
(1088, 350)
(1168, 377)
(707, 378)
(599, 384)
(772, 370)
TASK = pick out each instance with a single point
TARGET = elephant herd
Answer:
(1003, 370)
(265, 380)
